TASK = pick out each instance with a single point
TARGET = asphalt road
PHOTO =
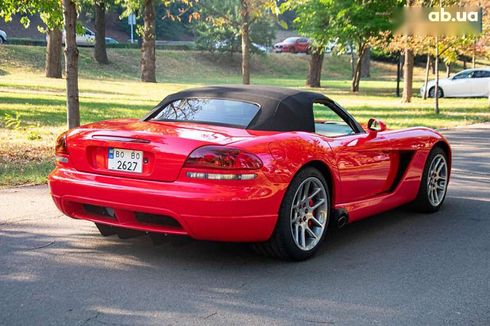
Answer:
(397, 268)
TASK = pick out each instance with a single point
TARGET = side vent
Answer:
(405, 159)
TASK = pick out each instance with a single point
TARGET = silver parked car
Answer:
(87, 38)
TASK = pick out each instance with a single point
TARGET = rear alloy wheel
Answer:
(440, 93)
(303, 218)
(433, 186)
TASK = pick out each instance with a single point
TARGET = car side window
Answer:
(329, 123)
(481, 74)
(463, 75)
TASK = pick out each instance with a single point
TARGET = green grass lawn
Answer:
(113, 91)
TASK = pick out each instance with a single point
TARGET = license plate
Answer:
(125, 160)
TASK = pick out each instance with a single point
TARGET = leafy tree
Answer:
(173, 21)
(248, 12)
(51, 14)
(360, 22)
(357, 22)
(147, 31)
(313, 21)
(97, 10)
(227, 37)
(100, 51)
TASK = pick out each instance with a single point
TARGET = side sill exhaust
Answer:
(340, 218)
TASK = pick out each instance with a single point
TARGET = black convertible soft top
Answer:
(281, 109)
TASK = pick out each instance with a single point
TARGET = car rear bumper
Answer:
(238, 211)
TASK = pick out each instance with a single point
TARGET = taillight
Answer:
(61, 149)
(220, 157)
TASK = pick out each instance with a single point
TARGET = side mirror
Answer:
(376, 125)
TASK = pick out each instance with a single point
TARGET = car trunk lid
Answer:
(164, 146)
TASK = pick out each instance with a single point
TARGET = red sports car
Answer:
(271, 166)
(293, 45)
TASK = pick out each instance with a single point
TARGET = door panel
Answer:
(481, 83)
(366, 162)
(367, 165)
(460, 85)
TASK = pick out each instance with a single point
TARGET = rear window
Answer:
(210, 111)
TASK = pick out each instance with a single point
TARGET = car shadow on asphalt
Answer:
(380, 252)
(402, 225)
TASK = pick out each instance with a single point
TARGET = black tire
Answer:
(282, 244)
(432, 92)
(423, 203)
(2, 41)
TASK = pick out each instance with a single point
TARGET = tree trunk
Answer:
(448, 70)
(357, 71)
(436, 87)
(71, 64)
(315, 69)
(245, 17)
(398, 73)
(366, 63)
(53, 67)
(426, 79)
(408, 76)
(100, 52)
(352, 60)
(148, 65)
(473, 56)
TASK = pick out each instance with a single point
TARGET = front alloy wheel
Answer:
(433, 186)
(437, 180)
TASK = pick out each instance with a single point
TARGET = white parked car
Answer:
(3, 37)
(87, 38)
(467, 83)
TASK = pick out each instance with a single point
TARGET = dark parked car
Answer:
(293, 45)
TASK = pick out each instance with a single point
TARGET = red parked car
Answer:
(272, 166)
(293, 45)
